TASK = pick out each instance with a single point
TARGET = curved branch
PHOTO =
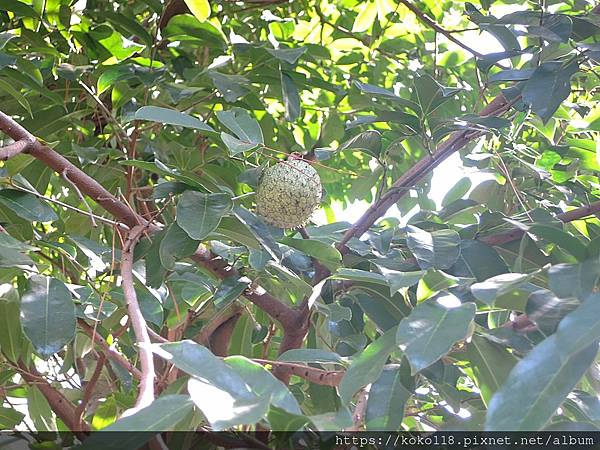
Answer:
(60, 164)
(255, 294)
(140, 328)
(61, 406)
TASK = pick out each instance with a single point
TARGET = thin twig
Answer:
(89, 388)
(108, 350)
(81, 197)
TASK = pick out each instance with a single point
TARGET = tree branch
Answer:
(89, 388)
(417, 172)
(255, 294)
(430, 23)
(140, 329)
(59, 164)
(14, 149)
(566, 217)
(61, 406)
(110, 352)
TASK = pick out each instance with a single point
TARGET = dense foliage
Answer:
(479, 313)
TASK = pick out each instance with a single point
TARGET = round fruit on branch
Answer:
(288, 193)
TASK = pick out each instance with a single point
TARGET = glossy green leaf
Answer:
(438, 250)
(218, 390)
(199, 214)
(388, 397)
(135, 430)
(11, 335)
(540, 382)
(170, 117)
(490, 365)
(45, 304)
(27, 206)
(367, 365)
(431, 329)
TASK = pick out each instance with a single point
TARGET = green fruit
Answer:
(288, 193)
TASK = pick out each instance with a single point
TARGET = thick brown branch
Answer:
(221, 338)
(108, 350)
(257, 295)
(215, 322)
(61, 406)
(60, 164)
(417, 172)
(140, 328)
(14, 149)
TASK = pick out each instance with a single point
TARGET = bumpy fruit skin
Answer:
(288, 193)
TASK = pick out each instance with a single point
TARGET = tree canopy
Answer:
(140, 289)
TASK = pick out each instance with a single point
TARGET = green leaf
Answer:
(47, 315)
(175, 244)
(549, 85)
(11, 335)
(240, 123)
(540, 382)
(170, 117)
(332, 421)
(457, 192)
(9, 89)
(490, 365)
(199, 8)
(199, 214)
(135, 430)
(220, 392)
(365, 18)
(487, 291)
(263, 383)
(367, 365)
(311, 355)
(327, 254)
(259, 230)
(478, 260)
(236, 146)
(438, 250)
(228, 291)
(576, 280)
(431, 329)
(368, 141)
(27, 206)
(39, 410)
(564, 240)
(399, 280)
(289, 55)
(359, 275)
(10, 418)
(291, 97)
(18, 8)
(546, 310)
(387, 398)
(185, 27)
(430, 95)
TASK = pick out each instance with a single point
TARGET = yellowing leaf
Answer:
(199, 8)
(365, 18)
